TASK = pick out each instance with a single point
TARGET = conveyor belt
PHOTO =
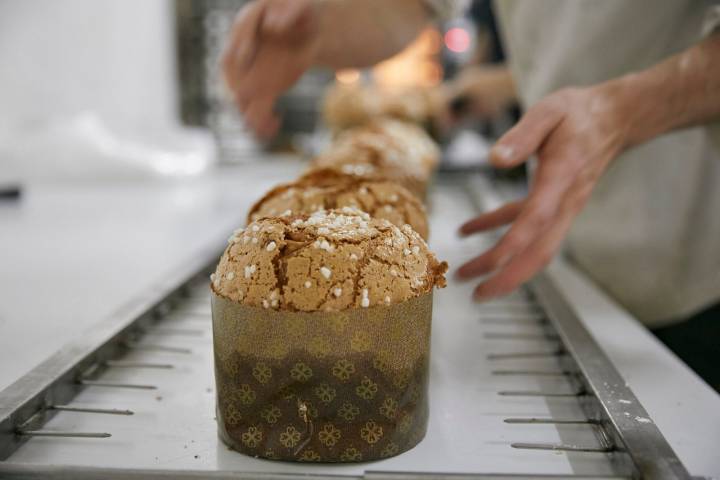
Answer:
(518, 388)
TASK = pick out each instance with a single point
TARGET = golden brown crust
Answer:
(384, 149)
(328, 189)
(326, 261)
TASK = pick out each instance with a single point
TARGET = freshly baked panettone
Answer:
(385, 149)
(321, 331)
(326, 189)
(326, 261)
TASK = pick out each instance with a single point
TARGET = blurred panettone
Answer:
(384, 149)
(326, 189)
(346, 106)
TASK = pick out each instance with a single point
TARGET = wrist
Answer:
(639, 107)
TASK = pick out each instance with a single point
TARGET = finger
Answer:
(260, 118)
(479, 265)
(535, 216)
(524, 266)
(496, 218)
(526, 137)
(540, 252)
(240, 50)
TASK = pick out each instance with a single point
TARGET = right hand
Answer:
(483, 91)
(272, 43)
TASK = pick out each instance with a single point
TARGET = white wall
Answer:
(61, 57)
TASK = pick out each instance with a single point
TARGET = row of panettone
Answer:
(322, 306)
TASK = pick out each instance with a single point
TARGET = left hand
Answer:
(575, 134)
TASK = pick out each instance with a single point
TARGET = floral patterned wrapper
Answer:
(343, 386)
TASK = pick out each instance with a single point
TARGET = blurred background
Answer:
(132, 89)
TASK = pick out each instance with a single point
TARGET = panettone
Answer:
(321, 328)
(346, 106)
(326, 189)
(384, 149)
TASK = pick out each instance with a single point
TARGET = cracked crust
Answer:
(384, 149)
(327, 261)
(328, 189)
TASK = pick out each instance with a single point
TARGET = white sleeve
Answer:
(444, 10)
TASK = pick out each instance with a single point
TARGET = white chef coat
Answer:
(650, 234)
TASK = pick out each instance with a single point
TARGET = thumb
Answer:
(526, 137)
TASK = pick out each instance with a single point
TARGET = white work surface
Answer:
(109, 244)
(72, 254)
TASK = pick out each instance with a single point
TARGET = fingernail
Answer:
(481, 295)
(504, 153)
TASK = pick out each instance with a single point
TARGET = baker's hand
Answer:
(478, 91)
(575, 134)
(271, 45)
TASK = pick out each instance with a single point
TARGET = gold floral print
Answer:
(390, 450)
(295, 327)
(270, 454)
(371, 432)
(343, 369)
(287, 392)
(231, 366)
(309, 456)
(367, 389)
(360, 342)
(351, 454)
(271, 414)
(329, 435)
(246, 394)
(290, 437)
(232, 414)
(325, 393)
(319, 347)
(312, 410)
(277, 349)
(401, 379)
(381, 365)
(251, 438)
(301, 372)
(244, 345)
(348, 411)
(262, 373)
(415, 393)
(405, 423)
(338, 324)
(389, 407)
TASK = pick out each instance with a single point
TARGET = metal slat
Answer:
(57, 380)
(624, 425)
(627, 424)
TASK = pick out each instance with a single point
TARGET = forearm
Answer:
(360, 33)
(682, 91)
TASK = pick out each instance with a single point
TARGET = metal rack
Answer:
(170, 327)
